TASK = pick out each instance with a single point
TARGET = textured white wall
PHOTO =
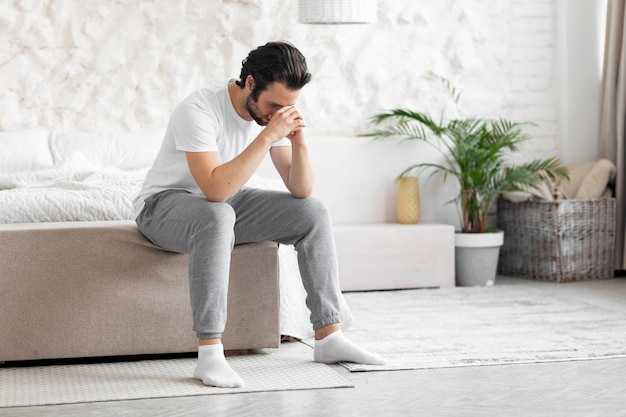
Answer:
(105, 64)
(111, 65)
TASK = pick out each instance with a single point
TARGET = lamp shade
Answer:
(337, 11)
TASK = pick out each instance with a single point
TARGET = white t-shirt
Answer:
(205, 121)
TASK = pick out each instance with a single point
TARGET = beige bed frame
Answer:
(90, 289)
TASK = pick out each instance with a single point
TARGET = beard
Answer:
(253, 109)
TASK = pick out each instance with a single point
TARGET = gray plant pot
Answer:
(476, 258)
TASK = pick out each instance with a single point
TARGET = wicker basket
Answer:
(562, 241)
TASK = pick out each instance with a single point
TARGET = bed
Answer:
(84, 184)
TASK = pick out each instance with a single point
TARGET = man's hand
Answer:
(286, 122)
(296, 136)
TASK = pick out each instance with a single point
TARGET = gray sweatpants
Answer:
(179, 221)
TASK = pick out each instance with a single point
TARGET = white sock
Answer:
(337, 348)
(213, 370)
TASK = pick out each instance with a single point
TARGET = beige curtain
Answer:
(613, 112)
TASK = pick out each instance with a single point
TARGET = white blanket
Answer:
(73, 191)
(78, 191)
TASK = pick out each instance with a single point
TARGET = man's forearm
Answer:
(226, 179)
(301, 174)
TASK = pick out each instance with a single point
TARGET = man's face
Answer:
(269, 101)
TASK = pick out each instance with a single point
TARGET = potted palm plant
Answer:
(476, 153)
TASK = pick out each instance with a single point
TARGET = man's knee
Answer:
(216, 216)
(224, 213)
(314, 209)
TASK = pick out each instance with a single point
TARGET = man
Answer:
(194, 201)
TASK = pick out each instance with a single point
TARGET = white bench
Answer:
(395, 256)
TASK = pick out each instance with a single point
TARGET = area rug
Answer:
(289, 368)
(474, 326)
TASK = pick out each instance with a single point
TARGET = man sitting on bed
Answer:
(193, 201)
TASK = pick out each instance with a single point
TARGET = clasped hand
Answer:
(287, 122)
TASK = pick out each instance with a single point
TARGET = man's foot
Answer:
(213, 370)
(337, 348)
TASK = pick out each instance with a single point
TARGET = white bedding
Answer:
(72, 191)
(76, 190)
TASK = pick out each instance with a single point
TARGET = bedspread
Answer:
(73, 191)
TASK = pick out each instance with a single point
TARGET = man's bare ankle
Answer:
(322, 332)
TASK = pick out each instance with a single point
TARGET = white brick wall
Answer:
(533, 43)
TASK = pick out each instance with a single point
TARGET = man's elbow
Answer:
(215, 200)
(302, 193)
(216, 197)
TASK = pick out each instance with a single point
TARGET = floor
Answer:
(583, 388)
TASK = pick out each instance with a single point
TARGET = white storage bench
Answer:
(395, 256)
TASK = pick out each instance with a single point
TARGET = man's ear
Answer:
(250, 82)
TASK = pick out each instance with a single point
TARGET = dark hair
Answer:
(275, 61)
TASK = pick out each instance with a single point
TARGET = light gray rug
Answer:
(289, 368)
(472, 326)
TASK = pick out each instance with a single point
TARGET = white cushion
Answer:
(24, 150)
(597, 179)
(124, 150)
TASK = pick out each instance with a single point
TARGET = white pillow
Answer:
(24, 150)
(126, 150)
(597, 179)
